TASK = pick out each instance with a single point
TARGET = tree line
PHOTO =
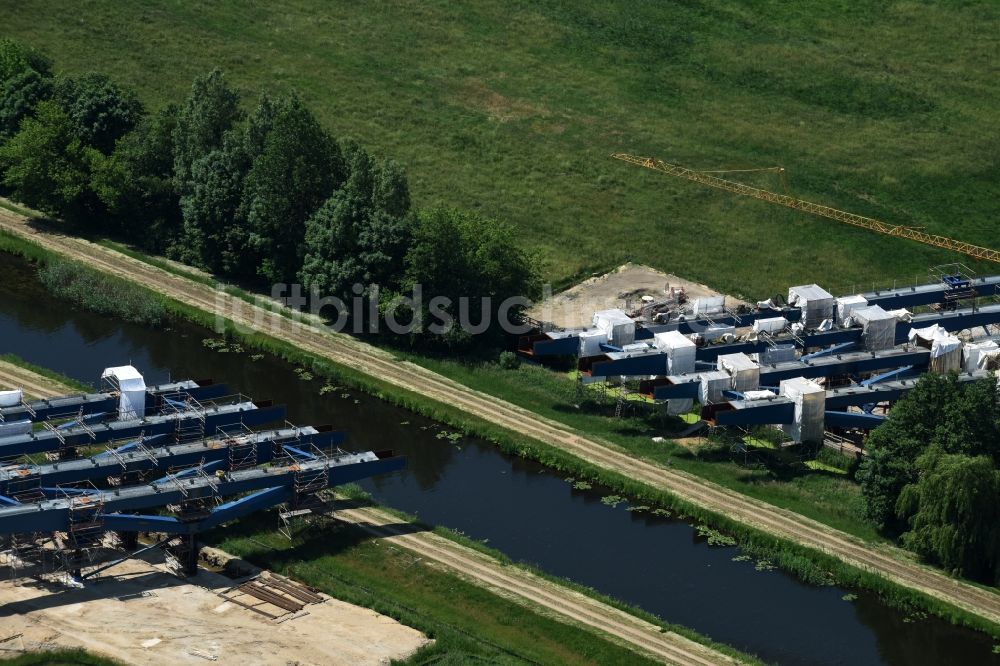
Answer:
(261, 196)
(932, 475)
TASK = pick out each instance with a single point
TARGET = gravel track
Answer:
(12, 377)
(524, 587)
(890, 562)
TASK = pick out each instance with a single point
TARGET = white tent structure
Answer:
(946, 349)
(132, 390)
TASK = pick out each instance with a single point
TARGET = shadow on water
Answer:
(529, 512)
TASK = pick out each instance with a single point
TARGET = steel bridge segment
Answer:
(54, 515)
(844, 364)
(163, 458)
(566, 343)
(952, 321)
(216, 417)
(930, 294)
(780, 409)
(860, 420)
(92, 403)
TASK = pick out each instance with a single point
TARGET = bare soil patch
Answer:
(144, 614)
(575, 307)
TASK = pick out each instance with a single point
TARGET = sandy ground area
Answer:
(145, 615)
(575, 307)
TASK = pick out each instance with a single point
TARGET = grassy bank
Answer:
(100, 293)
(806, 563)
(513, 108)
(466, 621)
(14, 359)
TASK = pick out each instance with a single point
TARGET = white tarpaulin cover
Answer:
(590, 342)
(11, 428)
(716, 331)
(707, 305)
(935, 338)
(758, 395)
(744, 372)
(132, 387)
(878, 327)
(902, 314)
(816, 303)
(681, 352)
(11, 398)
(846, 304)
(810, 408)
(713, 383)
(617, 325)
(770, 325)
(946, 349)
(977, 355)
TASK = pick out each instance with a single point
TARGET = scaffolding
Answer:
(131, 477)
(308, 487)
(958, 278)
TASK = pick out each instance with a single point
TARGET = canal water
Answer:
(519, 507)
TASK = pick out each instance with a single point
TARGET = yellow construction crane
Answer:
(705, 178)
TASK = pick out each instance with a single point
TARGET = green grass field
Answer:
(513, 107)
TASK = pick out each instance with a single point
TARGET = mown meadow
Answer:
(512, 108)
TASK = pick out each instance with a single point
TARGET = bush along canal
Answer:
(686, 574)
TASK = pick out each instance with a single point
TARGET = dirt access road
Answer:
(33, 385)
(892, 563)
(36, 617)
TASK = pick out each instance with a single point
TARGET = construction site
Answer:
(818, 368)
(106, 494)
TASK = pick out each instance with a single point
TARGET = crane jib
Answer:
(814, 208)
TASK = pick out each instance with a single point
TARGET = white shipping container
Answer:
(590, 342)
(744, 372)
(847, 304)
(680, 350)
(713, 383)
(770, 325)
(707, 305)
(11, 398)
(617, 325)
(810, 409)
(976, 355)
(716, 331)
(815, 302)
(878, 327)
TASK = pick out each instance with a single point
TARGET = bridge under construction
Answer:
(82, 476)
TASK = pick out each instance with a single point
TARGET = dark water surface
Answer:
(519, 507)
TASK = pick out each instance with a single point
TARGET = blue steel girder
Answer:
(845, 364)
(860, 420)
(262, 499)
(91, 403)
(117, 430)
(55, 515)
(752, 412)
(623, 364)
(956, 320)
(160, 459)
(677, 390)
